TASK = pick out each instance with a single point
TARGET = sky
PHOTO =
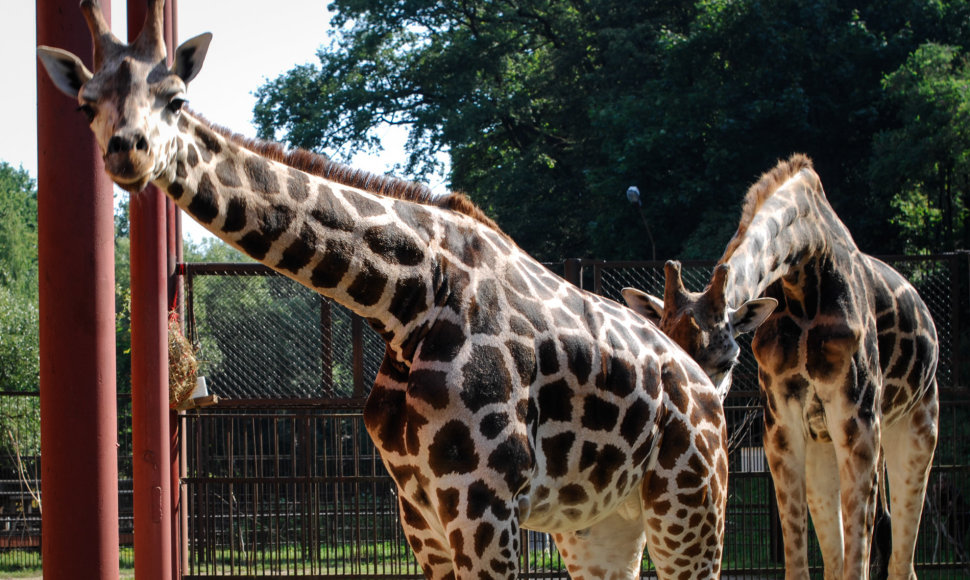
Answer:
(249, 48)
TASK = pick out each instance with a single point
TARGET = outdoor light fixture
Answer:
(633, 196)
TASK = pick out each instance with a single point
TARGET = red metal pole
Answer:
(79, 420)
(149, 370)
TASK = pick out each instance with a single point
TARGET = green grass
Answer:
(25, 563)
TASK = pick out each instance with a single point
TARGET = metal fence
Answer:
(293, 486)
(282, 480)
(21, 486)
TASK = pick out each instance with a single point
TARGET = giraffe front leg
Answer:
(452, 539)
(912, 441)
(822, 486)
(611, 548)
(785, 450)
(428, 544)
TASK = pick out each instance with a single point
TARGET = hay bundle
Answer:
(182, 364)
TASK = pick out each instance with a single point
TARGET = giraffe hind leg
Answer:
(912, 440)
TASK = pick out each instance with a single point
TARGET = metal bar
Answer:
(151, 431)
(79, 430)
(326, 348)
(357, 339)
(955, 292)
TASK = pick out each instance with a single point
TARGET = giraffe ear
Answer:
(644, 304)
(189, 56)
(751, 314)
(66, 70)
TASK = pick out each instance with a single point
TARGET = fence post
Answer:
(573, 271)
(357, 339)
(956, 289)
(598, 277)
(78, 406)
(326, 348)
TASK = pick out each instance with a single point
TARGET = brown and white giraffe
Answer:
(507, 397)
(846, 364)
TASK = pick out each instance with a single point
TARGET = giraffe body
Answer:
(846, 366)
(507, 397)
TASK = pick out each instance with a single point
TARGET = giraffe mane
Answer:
(384, 185)
(763, 189)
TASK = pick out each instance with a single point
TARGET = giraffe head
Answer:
(132, 99)
(702, 323)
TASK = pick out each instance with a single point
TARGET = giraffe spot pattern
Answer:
(492, 424)
(209, 141)
(409, 299)
(452, 450)
(330, 213)
(192, 156)
(235, 215)
(205, 203)
(227, 174)
(261, 176)
(485, 378)
(392, 243)
(300, 252)
(298, 185)
(556, 450)
(511, 459)
(430, 386)
(334, 264)
(368, 285)
(555, 402)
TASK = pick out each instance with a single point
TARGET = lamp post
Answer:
(633, 196)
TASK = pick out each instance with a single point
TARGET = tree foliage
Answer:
(925, 157)
(18, 231)
(550, 110)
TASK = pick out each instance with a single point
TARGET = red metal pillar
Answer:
(79, 420)
(151, 437)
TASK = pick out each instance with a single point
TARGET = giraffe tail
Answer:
(882, 534)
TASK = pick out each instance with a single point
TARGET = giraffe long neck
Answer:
(794, 222)
(377, 255)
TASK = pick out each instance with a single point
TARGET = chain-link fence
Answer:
(281, 478)
(262, 336)
(940, 280)
(296, 487)
(20, 482)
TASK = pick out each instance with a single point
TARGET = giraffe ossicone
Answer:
(846, 364)
(507, 397)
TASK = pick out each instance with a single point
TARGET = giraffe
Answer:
(507, 398)
(846, 356)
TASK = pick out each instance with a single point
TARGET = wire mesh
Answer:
(262, 336)
(300, 490)
(936, 278)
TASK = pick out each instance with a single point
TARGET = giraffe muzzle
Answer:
(128, 161)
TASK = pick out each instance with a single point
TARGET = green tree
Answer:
(925, 157)
(550, 110)
(19, 320)
(18, 231)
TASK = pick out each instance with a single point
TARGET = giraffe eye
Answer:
(88, 111)
(175, 105)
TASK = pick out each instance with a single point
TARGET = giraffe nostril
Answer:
(118, 145)
(141, 144)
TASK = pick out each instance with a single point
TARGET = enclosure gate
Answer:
(282, 480)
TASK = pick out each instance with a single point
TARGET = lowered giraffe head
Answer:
(133, 98)
(702, 323)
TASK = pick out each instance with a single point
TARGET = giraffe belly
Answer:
(551, 516)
